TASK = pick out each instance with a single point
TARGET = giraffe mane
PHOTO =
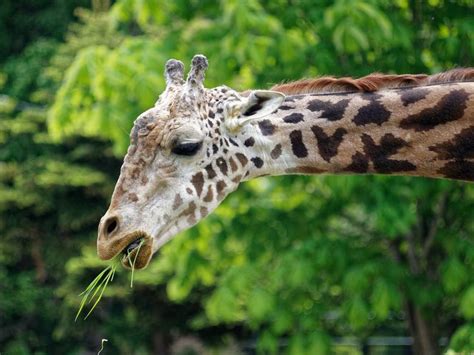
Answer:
(372, 82)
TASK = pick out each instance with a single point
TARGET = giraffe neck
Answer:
(420, 131)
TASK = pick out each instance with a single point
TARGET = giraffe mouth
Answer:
(138, 253)
(132, 246)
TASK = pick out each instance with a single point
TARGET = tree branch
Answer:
(412, 259)
(435, 221)
(37, 258)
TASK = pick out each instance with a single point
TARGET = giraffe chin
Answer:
(139, 256)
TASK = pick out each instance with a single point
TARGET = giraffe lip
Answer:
(138, 253)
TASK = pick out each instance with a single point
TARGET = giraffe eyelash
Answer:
(187, 149)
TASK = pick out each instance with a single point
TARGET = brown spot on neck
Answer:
(233, 165)
(373, 112)
(220, 186)
(359, 164)
(237, 178)
(242, 159)
(266, 127)
(258, 162)
(293, 118)
(211, 174)
(461, 146)
(297, 145)
(249, 142)
(458, 169)
(276, 151)
(411, 96)
(450, 108)
(222, 165)
(329, 111)
(380, 154)
(327, 144)
(209, 195)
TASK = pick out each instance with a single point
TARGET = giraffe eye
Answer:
(187, 149)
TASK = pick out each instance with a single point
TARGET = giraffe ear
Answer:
(258, 104)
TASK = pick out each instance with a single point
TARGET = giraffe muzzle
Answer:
(134, 248)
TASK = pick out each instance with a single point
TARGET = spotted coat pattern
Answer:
(420, 131)
(425, 131)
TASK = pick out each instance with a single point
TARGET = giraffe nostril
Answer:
(111, 225)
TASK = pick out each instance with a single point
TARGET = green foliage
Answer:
(463, 338)
(292, 260)
(454, 275)
(93, 29)
(95, 83)
(22, 22)
(292, 274)
(467, 303)
(348, 21)
(49, 203)
(30, 64)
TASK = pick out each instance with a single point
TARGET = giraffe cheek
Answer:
(154, 188)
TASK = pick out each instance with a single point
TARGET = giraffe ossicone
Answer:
(196, 145)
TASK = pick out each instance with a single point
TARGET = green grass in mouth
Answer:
(95, 290)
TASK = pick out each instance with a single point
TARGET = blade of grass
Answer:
(99, 283)
(96, 289)
(134, 261)
(94, 282)
(88, 291)
(83, 302)
(99, 287)
(104, 283)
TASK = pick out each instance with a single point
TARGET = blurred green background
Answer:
(290, 265)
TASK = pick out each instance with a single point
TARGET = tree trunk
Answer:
(159, 343)
(37, 257)
(424, 342)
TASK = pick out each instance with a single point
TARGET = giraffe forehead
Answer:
(176, 109)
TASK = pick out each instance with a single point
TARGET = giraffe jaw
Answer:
(165, 237)
(165, 233)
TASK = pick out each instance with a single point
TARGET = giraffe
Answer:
(196, 145)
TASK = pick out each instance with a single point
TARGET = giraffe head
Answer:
(186, 154)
